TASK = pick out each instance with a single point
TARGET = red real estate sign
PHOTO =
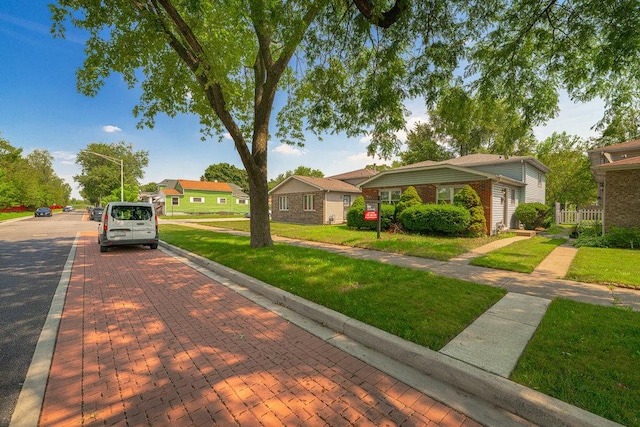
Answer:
(370, 215)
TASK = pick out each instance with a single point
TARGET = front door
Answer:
(346, 204)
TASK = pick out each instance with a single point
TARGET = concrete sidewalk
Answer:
(539, 285)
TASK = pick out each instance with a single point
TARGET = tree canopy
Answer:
(100, 177)
(355, 63)
(29, 181)
(300, 170)
(224, 172)
(422, 145)
(570, 179)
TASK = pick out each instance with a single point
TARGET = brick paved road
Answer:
(146, 340)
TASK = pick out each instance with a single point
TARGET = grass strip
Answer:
(607, 266)
(415, 305)
(4, 216)
(432, 247)
(588, 356)
(522, 256)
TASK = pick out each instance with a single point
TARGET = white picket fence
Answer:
(567, 216)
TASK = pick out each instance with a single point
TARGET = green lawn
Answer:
(522, 256)
(418, 306)
(607, 266)
(588, 356)
(441, 248)
(11, 215)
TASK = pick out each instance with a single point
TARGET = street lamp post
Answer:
(114, 160)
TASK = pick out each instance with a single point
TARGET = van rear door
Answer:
(143, 224)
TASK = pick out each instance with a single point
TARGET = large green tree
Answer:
(50, 189)
(422, 145)
(570, 179)
(99, 177)
(357, 62)
(300, 170)
(224, 172)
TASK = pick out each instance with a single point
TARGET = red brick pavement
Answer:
(146, 340)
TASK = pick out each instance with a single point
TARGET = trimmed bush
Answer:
(438, 219)
(625, 238)
(408, 198)
(532, 215)
(355, 216)
(469, 199)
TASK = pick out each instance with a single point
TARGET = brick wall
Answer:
(296, 214)
(622, 199)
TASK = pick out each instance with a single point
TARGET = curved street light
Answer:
(114, 160)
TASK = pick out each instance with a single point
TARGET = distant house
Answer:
(502, 184)
(182, 196)
(307, 200)
(616, 169)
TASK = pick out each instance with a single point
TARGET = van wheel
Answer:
(153, 246)
(104, 248)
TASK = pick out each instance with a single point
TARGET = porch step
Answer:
(528, 233)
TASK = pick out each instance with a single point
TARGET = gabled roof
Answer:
(629, 145)
(480, 159)
(323, 184)
(360, 173)
(205, 185)
(467, 164)
(237, 191)
(628, 163)
(171, 192)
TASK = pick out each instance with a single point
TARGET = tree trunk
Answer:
(260, 219)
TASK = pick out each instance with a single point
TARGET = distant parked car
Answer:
(96, 214)
(68, 209)
(44, 211)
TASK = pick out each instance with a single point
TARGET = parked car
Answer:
(96, 214)
(68, 209)
(128, 223)
(44, 211)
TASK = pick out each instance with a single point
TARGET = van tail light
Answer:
(105, 222)
(156, 218)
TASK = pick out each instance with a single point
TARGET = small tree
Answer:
(532, 215)
(408, 198)
(468, 198)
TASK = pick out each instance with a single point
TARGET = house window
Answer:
(283, 203)
(513, 196)
(222, 200)
(390, 196)
(241, 201)
(175, 201)
(539, 179)
(307, 202)
(196, 199)
(446, 194)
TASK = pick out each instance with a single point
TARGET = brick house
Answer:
(616, 169)
(307, 200)
(502, 184)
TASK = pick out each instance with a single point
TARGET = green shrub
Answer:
(625, 238)
(432, 218)
(355, 216)
(469, 199)
(532, 215)
(408, 198)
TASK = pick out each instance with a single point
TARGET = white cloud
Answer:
(111, 129)
(287, 150)
(366, 139)
(227, 135)
(64, 157)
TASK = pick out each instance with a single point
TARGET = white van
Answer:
(127, 223)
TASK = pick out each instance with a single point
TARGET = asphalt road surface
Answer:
(33, 252)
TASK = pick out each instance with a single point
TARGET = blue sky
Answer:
(41, 109)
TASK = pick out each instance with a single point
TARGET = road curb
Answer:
(524, 402)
